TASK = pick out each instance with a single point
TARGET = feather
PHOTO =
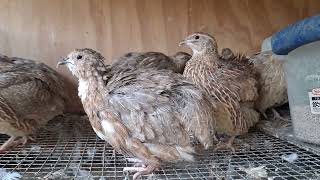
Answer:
(228, 79)
(156, 60)
(271, 78)
(141, 112)
(31, 94)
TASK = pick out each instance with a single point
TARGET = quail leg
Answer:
(138, 162)
(13, 142)
(140, 170)
(215, 138)
(264, 115)
(32, 139)
(276, 117)
(227, 145)
(23, 140)
(9, 143)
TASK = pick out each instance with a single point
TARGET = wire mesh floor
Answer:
(69, 149)
(283, 129)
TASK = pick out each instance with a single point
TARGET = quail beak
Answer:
(64, 61)
(182, 43)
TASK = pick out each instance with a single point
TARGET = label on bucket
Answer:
(314, 98)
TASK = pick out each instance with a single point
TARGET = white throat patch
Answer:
(83, 89)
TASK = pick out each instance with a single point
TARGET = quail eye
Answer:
(196, 37)
(79, 57)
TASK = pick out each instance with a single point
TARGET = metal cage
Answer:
(68, 149)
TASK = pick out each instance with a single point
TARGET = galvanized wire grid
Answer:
(69, 149)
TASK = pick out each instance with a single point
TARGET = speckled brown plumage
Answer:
(30, 95)
(227, 54)
(272, 83)
(231, 84)
(144, 113)
(155, 60)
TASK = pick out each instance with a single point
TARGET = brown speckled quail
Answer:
(271, 80)
(144, 113)
(30, 95)
(231, 85)
(272, 83)
(155, 60)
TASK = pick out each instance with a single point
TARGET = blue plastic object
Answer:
(296, 35)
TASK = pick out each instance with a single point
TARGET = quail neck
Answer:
(204, 50)
(208, 56)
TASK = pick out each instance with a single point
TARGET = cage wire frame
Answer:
(69, 149)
